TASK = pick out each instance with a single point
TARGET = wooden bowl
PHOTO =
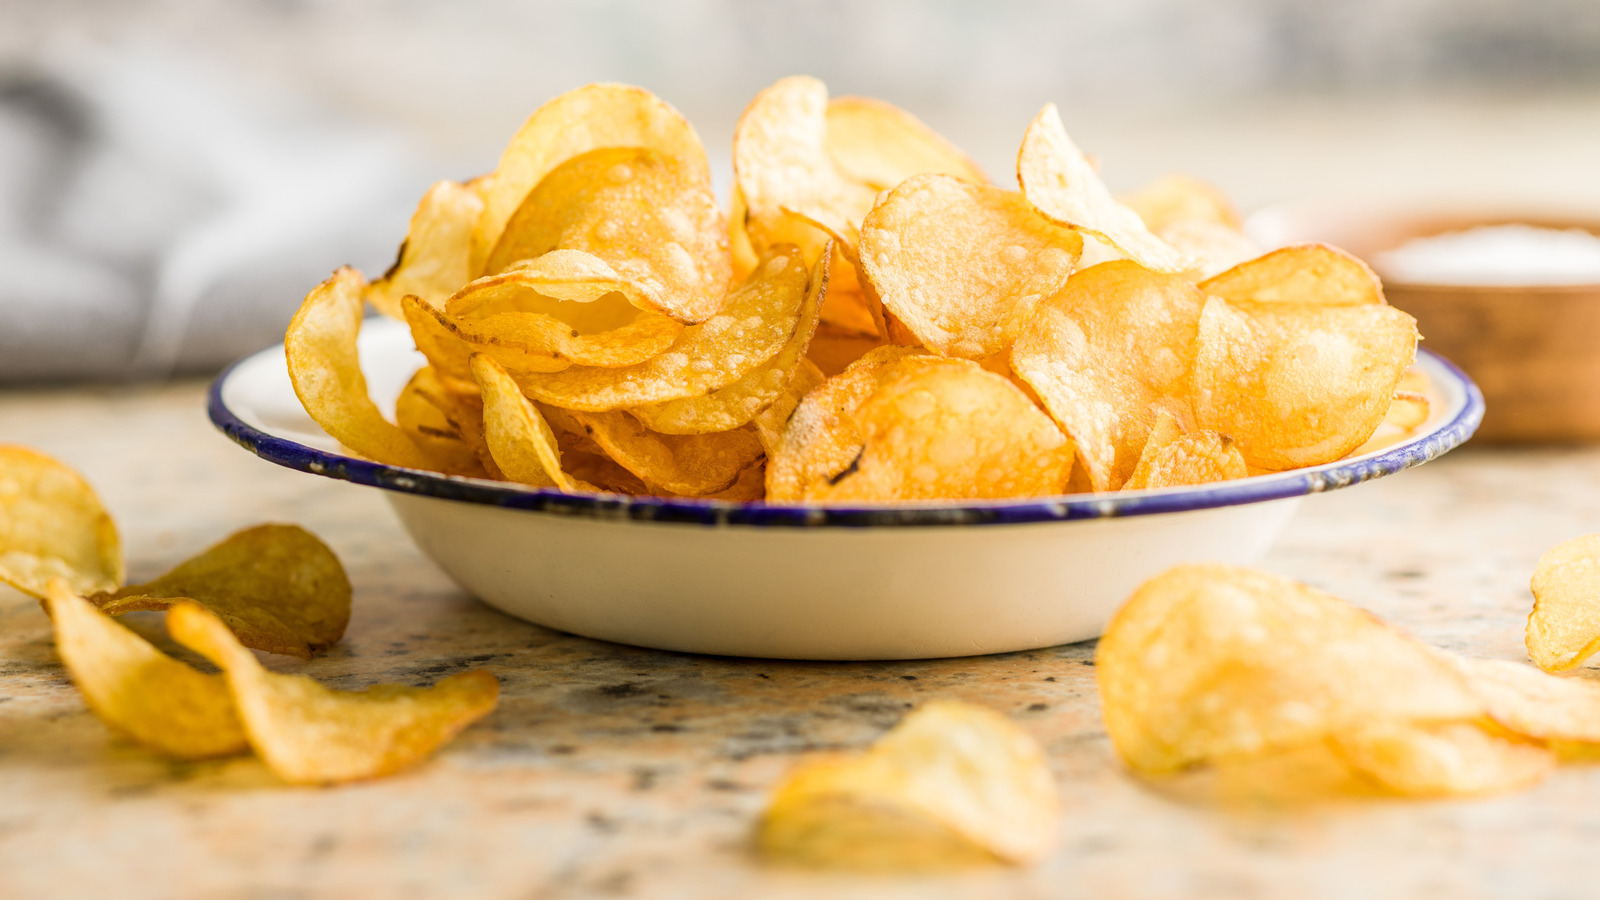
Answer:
(1534, 350)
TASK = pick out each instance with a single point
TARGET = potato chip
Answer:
(760, 316)
(136, 689)
(1307, 273)
(464, 409)
(963, 265)
(730, 407)
(518, 437)
(1407, 410)
(53, 526)
(602, 473)
(881, 145)
(952, 784)
(1100, 354)
(1534, 704)
(822, 439)
(1443, 759)
(421, 413)
(1298, 384)
(1064, 187)
(432, 262)
(591, 117)
(516, 318)
(275, 586)
(848, 307)
(740, 247)
(947, 429)
(1564, 627)
(689, 465)
(1199, 457)
(1250, 663)
(1210, 248)
(792, 189)
(833, 349)
(771, 422)
(446, 353)
(325, 367)
(1175, 198)
(308, 734)
(749, 486)
(648, 216)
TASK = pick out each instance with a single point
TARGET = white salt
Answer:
(1496, 255)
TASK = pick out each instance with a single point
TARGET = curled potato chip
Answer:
(948, 429)
(771, 421)
(1199, 457)
(516, 318)
(136, 689)
(53, 526)
(325, 367)
(730, 407)
(1535, 704)
(690, 465)
(1252, 663)
(421, 413)
(1443, 759)
(308, 734)
(1298, 384)
(1100, 354)
(1564, 627)
(446, 353)
(847, 307)
(1307, 273)
(648, 216)
(1064, 187)
(1210, 248)
(759, 318)
(822, 438)
(275, 586)
(1175, 198)
(881, 145)
(952, 784)
(591, 117)
(963, 265)
(1407, 410)
(519, 439)
(433, 261)
(794, 192)
(833, 350)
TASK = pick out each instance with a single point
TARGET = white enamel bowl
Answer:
(901, 581)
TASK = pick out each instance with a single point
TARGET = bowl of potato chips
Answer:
(885, 408)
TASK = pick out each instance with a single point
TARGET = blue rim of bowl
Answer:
(1331, 476)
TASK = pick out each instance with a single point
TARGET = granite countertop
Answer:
(615, 771)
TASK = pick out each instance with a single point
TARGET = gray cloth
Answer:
(156, 218)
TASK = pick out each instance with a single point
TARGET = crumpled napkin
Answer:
(158, 217)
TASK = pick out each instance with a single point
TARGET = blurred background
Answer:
(175, 174)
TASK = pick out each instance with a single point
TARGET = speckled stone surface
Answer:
(613, 771)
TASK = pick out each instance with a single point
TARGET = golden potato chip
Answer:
(822, 438)
(53, 526)
(725, 409)
(591, 117)
(771, 422)
(1564, 627)
(740, 247)
(518, 437)
(749, 486)
(952, 784)
(690, 465)
(1101, 352)
(833, 349)
(420, 411)
(432, 262)
(648, 216)
(1064, 187)
(275, 586)
(1250, 663)
(794, 192)
(307, 734)
(1175, 198)
(759, 318)
(602, 473)
(136, 689)
(1534, 704)
(464, 408)
(516, 318)
(881, 145)
(1199, 457)
(848, 308)
(446, 353)
(1210, 248)
(947, 429)
(1307, 273)
(963, 265)
(1407, 410)
(325, 367)
(1298, 384)
(1443, 759)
